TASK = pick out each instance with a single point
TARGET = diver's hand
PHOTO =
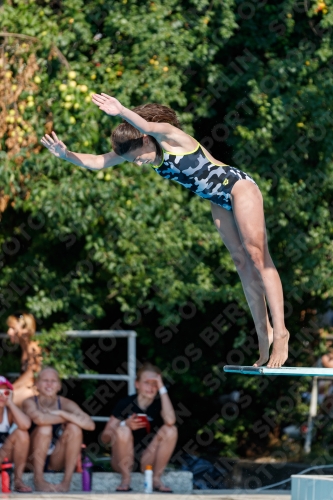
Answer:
(110, 105)
(54, 145)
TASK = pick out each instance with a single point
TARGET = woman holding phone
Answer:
(141, 429)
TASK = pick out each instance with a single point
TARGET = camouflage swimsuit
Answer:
(198, 174)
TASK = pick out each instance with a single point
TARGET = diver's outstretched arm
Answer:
(92, 162)
(161, 131)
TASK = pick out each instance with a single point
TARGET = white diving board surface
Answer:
(296, 371)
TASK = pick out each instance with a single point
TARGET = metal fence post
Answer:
(131, 353)
(312, 414)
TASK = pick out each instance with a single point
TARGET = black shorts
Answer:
(139, 447)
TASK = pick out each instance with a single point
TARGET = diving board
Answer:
(295, 371)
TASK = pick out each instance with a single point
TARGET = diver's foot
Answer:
(280, 350)
(264, 345)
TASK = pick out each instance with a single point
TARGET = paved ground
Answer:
(223, 495)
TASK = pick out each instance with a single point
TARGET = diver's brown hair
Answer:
(126, 138)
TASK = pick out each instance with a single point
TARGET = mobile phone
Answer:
(143, 418)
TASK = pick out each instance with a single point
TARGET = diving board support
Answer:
(312, 415)
(323, 373)
(296, 371)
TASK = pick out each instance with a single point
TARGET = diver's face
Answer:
(143, 155)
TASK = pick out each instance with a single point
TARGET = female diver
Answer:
(151, 134)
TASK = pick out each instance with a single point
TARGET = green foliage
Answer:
(60, 351)
(10, 362)
(81, 247)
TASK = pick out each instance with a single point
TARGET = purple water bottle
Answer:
(86, 473)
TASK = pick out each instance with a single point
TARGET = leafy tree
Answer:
(252, 81)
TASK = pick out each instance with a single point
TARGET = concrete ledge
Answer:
(132, 496)
(106, 482)
(235, 493)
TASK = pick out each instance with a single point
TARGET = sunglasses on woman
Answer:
(5, 392)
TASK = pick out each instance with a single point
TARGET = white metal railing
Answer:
(131, 358)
